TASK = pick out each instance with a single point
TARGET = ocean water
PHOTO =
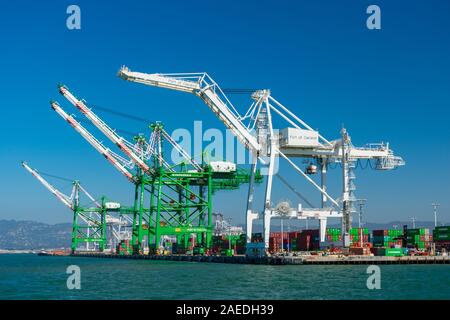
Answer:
(27, 276)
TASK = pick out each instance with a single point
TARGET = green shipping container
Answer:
(393, 252)
(441, 236)
(445, 229)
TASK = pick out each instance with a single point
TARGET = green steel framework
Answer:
(175, 201)
(94, 231)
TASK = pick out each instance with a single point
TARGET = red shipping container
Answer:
(307, 242)
(293, 235)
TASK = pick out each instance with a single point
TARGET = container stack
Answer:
(217, 244)
(359, 237)
(333, 238)
(179, 248)
(238, 243)
(124, 247)
(292, 240)
(275, 242)
(419, 238)
(334, 235)
(441, 237)
(387, 238)
(257, 237)
(224, 242)
(308, 240)
(388, 252)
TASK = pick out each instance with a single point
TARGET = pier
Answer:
(280, 260)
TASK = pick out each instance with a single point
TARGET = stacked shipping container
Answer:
(359, 237)
(308, 240)
(419, 238)
(225, 242)
(386, 242)
(387, 238)
(124, 248)
(390, 252)
(441, 237)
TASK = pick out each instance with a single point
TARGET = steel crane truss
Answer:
(180, 205)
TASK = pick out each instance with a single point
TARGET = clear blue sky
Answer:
(317, 57)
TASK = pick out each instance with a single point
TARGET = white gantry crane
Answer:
(255, 130)
(91, 218)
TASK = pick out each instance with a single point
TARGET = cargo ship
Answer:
(53, 253)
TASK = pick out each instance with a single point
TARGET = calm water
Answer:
(24, 276)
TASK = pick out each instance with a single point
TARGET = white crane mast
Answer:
(114, 159)
(102, 126)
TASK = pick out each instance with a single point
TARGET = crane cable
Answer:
(121, 114)
(54, 176)
(238, 90)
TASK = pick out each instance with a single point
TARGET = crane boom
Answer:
(92, 141)
(203, 86)
(102, 126)
(58, 194)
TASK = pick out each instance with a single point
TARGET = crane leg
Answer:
(250, 216)
(267, 207)
(323, 229)
(267, 220)
(323, 164)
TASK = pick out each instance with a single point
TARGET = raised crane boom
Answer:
(108, 154)
(58, 194)
(102, 126)
(203, 86)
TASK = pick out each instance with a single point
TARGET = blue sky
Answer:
(317, 57)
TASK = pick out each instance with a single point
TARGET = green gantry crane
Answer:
(169, 199)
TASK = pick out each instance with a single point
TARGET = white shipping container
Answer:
(112, 205)
(223, 166)
(293, 137)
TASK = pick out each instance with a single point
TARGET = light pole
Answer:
(435, 206)
(413, 222)
(229, 234)
(282, 237)
(361, 203)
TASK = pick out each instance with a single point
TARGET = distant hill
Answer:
(21, 235)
